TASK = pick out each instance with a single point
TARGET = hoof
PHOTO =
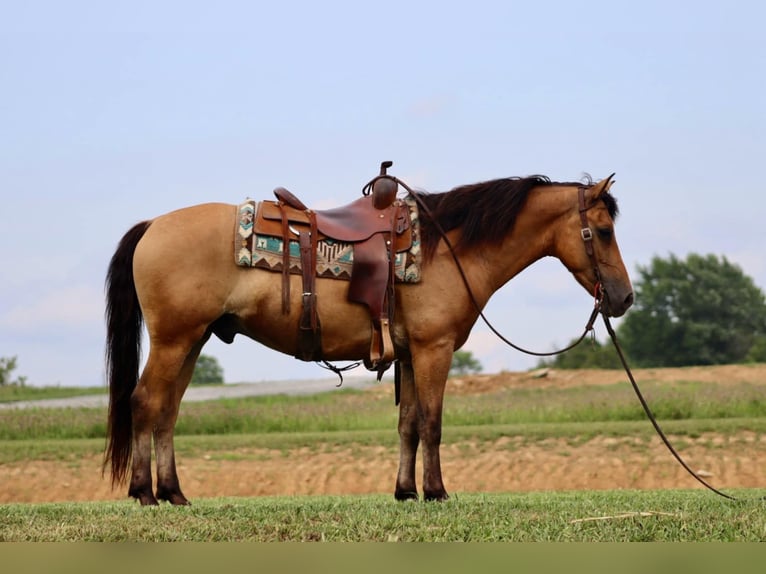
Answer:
(402, 495)
(175, 498)
(439, 496)
(144, 498)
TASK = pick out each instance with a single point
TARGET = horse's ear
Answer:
(601, 187)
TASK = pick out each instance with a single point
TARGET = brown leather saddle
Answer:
(377, 225)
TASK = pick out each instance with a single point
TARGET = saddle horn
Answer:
(383, 187)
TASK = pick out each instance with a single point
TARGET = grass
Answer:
(192, 445)
(616, 402)
(603, 516)
(344, 418)
(349, 410)
(12, 393)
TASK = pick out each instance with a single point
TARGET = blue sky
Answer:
(115, 112)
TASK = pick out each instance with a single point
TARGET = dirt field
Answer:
(506, 465)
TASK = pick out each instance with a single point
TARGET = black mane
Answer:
(485, 211)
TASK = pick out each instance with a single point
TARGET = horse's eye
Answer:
(605, 232)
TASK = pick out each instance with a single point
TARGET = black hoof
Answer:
(175, 498)
(406, 495)
(146, 499)
(436, 496)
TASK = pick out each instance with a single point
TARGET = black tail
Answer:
(123, 351)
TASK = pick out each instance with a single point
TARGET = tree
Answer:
(463, 362)
(700, 311)
(757, 353)
(590, 354)
(207, 372)
(7, 366)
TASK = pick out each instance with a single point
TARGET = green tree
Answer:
(463, 362)
(7, 366)
(590, 354)
(757, 353)
(207, 372)
(699, 311)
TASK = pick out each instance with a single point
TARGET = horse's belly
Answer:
(345, 327)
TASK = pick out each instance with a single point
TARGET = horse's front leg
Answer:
(431, 366)
(409, 437)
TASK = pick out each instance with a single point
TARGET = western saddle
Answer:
(377, 225)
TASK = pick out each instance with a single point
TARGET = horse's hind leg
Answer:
(168, 486)
(141, 468)
(409, 438)
(154, 405)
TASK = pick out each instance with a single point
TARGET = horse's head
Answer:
(588, 247)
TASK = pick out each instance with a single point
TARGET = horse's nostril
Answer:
(629, 300)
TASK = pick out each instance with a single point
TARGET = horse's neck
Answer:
(531, 238)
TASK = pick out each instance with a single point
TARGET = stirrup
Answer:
(382, 352)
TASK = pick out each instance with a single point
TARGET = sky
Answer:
(116, 112)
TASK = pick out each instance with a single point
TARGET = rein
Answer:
(587, 236)
(650, 414)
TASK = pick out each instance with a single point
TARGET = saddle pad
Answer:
(334, 258)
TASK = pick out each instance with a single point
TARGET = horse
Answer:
(175, 274)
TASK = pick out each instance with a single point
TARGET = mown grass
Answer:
(614, 516)
(351, 410)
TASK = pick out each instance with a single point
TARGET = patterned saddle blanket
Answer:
(334, 258)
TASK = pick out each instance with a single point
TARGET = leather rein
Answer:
(587, 236)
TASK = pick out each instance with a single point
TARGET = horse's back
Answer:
(203, 221)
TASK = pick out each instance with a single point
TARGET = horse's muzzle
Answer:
(616, 306)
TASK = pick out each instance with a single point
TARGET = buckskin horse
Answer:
(176, 275)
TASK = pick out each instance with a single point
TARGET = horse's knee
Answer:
(430, 431)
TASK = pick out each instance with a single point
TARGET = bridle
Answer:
(586, 233)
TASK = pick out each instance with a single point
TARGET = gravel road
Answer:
(206, 393)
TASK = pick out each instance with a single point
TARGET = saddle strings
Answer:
(338, 370)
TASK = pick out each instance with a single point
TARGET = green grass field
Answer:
(348, 417)
(616, 516)
(350, 410)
